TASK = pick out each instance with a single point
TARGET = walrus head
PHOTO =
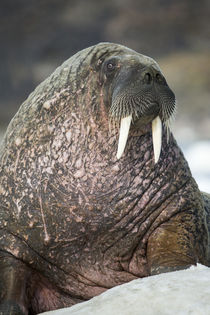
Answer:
(140, 95)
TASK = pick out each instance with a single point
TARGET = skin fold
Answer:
(75, 220)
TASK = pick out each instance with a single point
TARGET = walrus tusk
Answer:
(157, 137)
(124, 130)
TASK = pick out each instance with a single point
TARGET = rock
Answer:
(179, 292)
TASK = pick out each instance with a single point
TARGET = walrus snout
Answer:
(141, 91)
(141, 94)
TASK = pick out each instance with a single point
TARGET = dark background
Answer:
(38, 35)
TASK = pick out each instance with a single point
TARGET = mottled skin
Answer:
(74, 220)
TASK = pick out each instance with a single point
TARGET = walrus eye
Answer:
(108, 69)
(110, 66)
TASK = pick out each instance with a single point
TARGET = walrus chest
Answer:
(70, 213)
(67, 198)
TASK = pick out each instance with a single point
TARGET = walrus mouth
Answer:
(156, 136)
(141, 109)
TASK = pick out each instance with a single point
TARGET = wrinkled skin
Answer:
(75, 220)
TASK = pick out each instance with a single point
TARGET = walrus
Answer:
(94, 190)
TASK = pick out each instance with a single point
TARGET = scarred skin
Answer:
(74, 220)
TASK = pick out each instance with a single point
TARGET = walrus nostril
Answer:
(148, 78)
(159, 78)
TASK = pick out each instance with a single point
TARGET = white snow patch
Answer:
(180, 292)
(198, 157)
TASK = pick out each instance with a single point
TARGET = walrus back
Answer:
(206, 198)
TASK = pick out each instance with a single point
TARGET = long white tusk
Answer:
(124, 131)
(157, 137)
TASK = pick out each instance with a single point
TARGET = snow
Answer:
(179, 292)
(198, 157)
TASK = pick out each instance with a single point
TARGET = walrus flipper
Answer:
(13, 284)
(171, 247)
